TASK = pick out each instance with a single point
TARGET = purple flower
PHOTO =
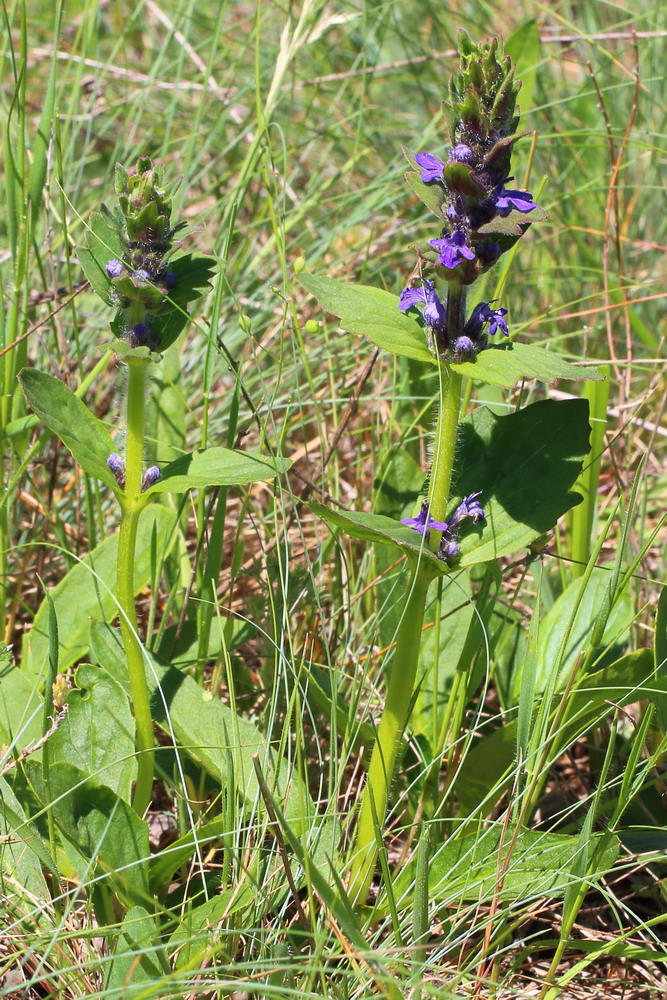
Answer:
(461, 154)
(142, 274)
(469, 507)
(505, 200)
(150, 477)
(453, 249)
(169, 279)
(434, 312)
(114, 268)
(449, 549)
(423, 522)
(483, 313)
(464, 345)
(141, 332)
(432, 167)
(117, 467)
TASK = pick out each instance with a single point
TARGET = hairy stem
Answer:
(130, 512)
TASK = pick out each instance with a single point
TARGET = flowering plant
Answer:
(479, 506)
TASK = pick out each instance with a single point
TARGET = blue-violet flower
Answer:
(505, 200)
(432, 167)
(150, 477)
(483, 313)
(434, 311)
(423, 522)
(117, 467)
(114, 268)
(453, 249)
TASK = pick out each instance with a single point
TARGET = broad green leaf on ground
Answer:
(557, 621)
(20, 706)
(97, 733)
(103, 828)
(23, 854)
(63, 413)
(87, 591)
(136, 957)
(217, 467)
(536, 864)
(374, 313)
(524, 465)
(197, 923)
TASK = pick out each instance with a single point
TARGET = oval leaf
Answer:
(63, 413)
(217, 467)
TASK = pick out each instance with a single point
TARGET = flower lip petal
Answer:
(432, 167)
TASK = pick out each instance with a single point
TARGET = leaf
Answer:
(373, 313)
(661, 655)
(63, 413)
(558, 621)
(97, 734)
(432, 195)
(20, 706)
(217, 467)
(23, 854)
(508, 363)
(135, 958)
(379, 528)
(515, 223)
(87, 591)
(536, 864)
(524, 465)
(102, 245)
(198, 923)
(103, 828)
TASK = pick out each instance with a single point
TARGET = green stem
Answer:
(131, 508)
(392, 724)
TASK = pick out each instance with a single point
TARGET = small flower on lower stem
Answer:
(434, 311)
(463, 345)
(453, 249)
(142, 274)
(140, 332)
(423, 522)
(114, 268)
(469, 507)
(117, 467)
(482, 314)
(151, 477)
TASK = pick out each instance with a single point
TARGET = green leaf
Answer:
(373, 313)
(432, 195)
(135, 958)
(559, 620)
(20, 704)
(102, 245)
(524, 465)
(197, 923)
(97, 733)
(103, 828)
(379, 528)
(217, 467)
(87, 591)
(661, 655)
(536, 864)
(63, 413)
(508, 363)
(23, 854)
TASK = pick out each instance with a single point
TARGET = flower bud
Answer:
(245, 322)
(300, 264)
(311, 326)
(151, 477)
(117, 467)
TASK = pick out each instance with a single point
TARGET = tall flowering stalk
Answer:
(481, 216)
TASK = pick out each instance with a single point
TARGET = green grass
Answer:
(286, 123)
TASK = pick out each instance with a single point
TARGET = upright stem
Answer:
(408, 640)
(131, 508)
(392, 724)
